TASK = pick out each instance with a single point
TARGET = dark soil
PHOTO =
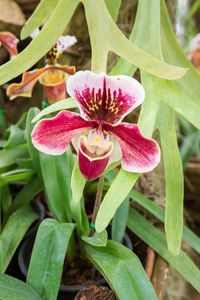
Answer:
(79, 272)
(96, 293)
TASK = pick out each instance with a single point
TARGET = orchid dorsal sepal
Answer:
(9, 41)
(97, 134)
(63, 43)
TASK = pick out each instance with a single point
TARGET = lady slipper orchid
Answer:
(52, 77)
(98, 134)
(9, 41)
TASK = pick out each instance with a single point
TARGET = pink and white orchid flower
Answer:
(52, 77)
(98, 134)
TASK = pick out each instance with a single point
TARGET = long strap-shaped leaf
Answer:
(13, 232)
(173, 179)
(34, 154)
(26, 194)
(106, 36)
(156, 240)
(165, 123)
(174, 54)
(119, 221)
(77, 185)
(41, 13)
(12, 289)
(42, 43)
(9, 157)
(56, 179)
(115, 262)
(48, 256)
(190, 237)
(60, 105)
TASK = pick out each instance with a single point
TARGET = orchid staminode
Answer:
(52, 77)
(97, 133)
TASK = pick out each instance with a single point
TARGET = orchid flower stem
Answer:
(97, 201)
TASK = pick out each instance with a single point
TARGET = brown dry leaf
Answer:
(10, 12)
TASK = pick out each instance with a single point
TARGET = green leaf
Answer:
(185, 127)
(40, 14)
(173, 170)
(25, 163)
(106, 36)
(49, 34)
(16, 137)
(152, 111)
(192, 239)
(99, 239)
(3, 143)
(113, 7)
(116, 194)
(56, 179)
(26, 194)
(151, 105)
(193, 9)
(173, 53)
(5, 197)
(14, 230)
(16, 171)
(22, 121)
(77, 185)
(146, 11)
(12, 289)
(119, 221)
(45, 269)
(187, 147)
(60, 105)
(34, 154)
(156, 240)
(111, 166)
(1, 255)
(123, 271)
(9, 157)
(16, 175)
(178, 100)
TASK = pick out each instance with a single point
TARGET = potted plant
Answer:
(103, 100)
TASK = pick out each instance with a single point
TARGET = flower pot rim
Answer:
(64, 288)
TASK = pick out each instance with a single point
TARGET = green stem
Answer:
(97, 201)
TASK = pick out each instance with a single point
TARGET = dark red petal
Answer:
(52, 136)
(92, 165)
(139, 154)
(105, 98)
